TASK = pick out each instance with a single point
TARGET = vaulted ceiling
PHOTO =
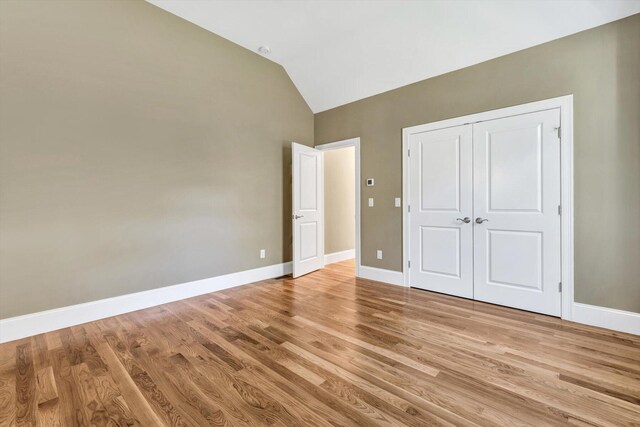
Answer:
(337, 52)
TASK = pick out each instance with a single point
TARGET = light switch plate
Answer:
(263, 253)
(370, 182)
(379, 254)
(398, 202)
(370, 202)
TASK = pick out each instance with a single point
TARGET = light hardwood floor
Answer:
(325, 349)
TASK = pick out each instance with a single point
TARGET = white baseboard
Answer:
(382, 275)
(27, 325)
(618, 320)
(45, 321)
(339, 256)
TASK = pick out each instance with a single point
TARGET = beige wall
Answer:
(339, 200)
(601, 67)
(137, 151)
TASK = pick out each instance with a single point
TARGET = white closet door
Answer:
(440, 202)
(516, 212)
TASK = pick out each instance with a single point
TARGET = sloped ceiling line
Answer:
(337, 52)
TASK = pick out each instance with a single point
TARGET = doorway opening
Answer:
(340, 205)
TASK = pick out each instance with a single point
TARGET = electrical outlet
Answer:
(398, 202)
(370, 202)
(379, 254)
(263, 253)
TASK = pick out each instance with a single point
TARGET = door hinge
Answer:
(559, 209)
(409, 264)
(559, 286)
(409, 152)
(408, 208)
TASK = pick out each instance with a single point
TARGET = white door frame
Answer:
(565, 104)
(352, 142)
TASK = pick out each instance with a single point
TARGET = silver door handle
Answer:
(298, 216)
(481, 220)
(466, 219)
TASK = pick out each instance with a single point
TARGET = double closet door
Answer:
(485, 211)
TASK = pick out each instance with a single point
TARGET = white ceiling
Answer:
(337, 52)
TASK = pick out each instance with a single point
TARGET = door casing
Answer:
(565, 104)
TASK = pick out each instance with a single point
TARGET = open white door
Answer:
(308, 209)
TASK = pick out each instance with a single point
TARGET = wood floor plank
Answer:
(25, 386)
(325, 349)
(115, 404)
(92, 411)
(47, 389)
(8, 403)
(161, 405)
(130, 390)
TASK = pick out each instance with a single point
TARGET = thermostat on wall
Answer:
(370, 182)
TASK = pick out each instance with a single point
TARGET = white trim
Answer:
(381, 275)
(339, 256)
(352, 142)
(566, 189)
(618, 320)
(565, 104)
(405, 208)
(27, 325)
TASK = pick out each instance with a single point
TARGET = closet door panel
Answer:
(516, 220)
(440, 170)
